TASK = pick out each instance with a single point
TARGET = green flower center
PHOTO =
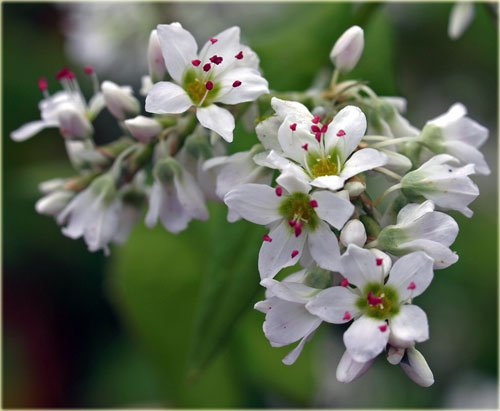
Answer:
(379, 301)
(195, 83)
(297, 209)
(324, 164)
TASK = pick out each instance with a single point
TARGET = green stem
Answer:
(399, 140)
(389, 173)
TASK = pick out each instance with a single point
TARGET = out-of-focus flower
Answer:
(461, 17)
(143, 128)
(348, 48)
(120, 100)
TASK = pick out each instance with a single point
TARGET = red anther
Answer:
(295, 253)
(297, 228)
(219, 60)
(209, 86)
(412, 286)
(347, 316)
(324, 129)
(379, 261)
(340, 133)
(383, 328)
(42, 84)
(88, 70)
(293, 126)
(279, 191)
(267, 238)
(213, 40)
(373, 300)
(316, 119)
(196, 62)
(237, 83)
(291, 223)
(63, 73)
(305, 146)
(239, 56)
(207, 67)
(213, 59)
(318, 136)
(313, 203)
(344, 282)
(315, 129)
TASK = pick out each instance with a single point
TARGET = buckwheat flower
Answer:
(287, 320)
(461, 17)
(224, 71)
(419, 227)
(66, 110)
(325, 152)
(175, 198)
(143, 128)
(93, 214)
(447, 186)
(348, 49)
(456, 134)
(297, 219)
(381, 309)
(120, 100)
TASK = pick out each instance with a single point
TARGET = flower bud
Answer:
(355, 188)
(72, 122)
(348, 48)
(156, 63)
(461, 16)
(119, 100)
(348, 369)
(49, 186)
(395, 355)
(53, 203)
(143, 128)
(415, 366)
(353, 233)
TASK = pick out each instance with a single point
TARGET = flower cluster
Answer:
(362, 253)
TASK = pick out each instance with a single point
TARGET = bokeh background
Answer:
(82, 330)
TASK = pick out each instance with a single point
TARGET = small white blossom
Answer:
(419, 227)
(143, 128)
(224, 71)
(447, 186)
(296, 219)
(120, 100)
(348, 48)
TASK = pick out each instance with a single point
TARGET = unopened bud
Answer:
(355, 188)
(119, 100)
(353, 233)
(348, 48)
(395, 354)
(72, 122)
(415, 366)
(53, 203)
(372, 227)
(348, 369)
(143, 128)
(156, 63)
(461, 16)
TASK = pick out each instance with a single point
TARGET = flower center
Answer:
(323, 166)
(379, 301)
(200, 87)
(298, 211)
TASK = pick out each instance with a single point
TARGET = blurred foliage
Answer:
(186, 334)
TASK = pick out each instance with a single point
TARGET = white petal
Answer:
(253, 85)
(143, 128)
(155, 202)
(363, 160)
(30, 129)
(396, 162)
(333, 183)
(460, 18)
(285, 107)
(335, 305)
(411, 275)
(226, 46)
(293, 143)
(190, 195)
(292, 356)
(179, 48)
(272, 159)
(434, 226)
(468, 154)
(352, 121)
(293, 179)
(415, 366)
(257, 203)
(166, 98)
(173, 215)
(443, 257)
(360, 266)
(288, 322)
(353, 233)
(324, 247)
(332, 208)
(364, 340)
(412, 212)
(217, 119)
(277, 254)
(409, 326)
(267, 132)
(289, 291)
(348, 370)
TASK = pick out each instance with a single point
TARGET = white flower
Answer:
(456, 134)
(296, 218)
(287, 320)
(353, 233)
(143, 128)
(120, 100)
(419, 227)
(380, 308)
(347, 49)
(447, 186)
(461, 17)
(93, 214)
(321, 153)
(175, 198)
(224, 71)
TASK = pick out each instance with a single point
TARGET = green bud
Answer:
(372, 227)
(166, 168)
(318, 278)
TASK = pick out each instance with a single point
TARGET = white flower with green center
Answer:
(420, 228)
(322, 152)
(224, 71)
(296, 218)
(287, 319)
(447, 186)
(456, 134)
(381, 309)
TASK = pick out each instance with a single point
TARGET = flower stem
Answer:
(389, 173)
(386, 192)
(399, 140)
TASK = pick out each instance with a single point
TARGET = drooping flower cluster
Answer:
(361, 256)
